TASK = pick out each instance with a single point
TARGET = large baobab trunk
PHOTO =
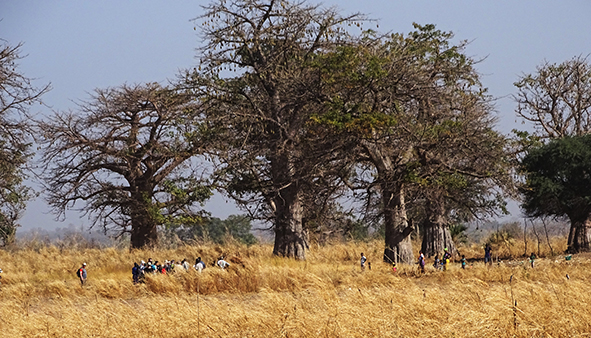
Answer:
(144, 232)
(398, 245)
(436, 234)
(579, 237)
(290, 238)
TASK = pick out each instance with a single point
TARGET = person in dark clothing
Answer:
(135, 273)
(446, 258)
(422, 261)
(487, 254)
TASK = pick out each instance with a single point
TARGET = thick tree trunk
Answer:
(144, 234)
(436, 238)
(143, 226)
(579, 238)
(436, 234)
(398, 245)
(290, 237)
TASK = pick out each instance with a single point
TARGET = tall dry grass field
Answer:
(264, 296)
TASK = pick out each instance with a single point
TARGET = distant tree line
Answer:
(313, 125)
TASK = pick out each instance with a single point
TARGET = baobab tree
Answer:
(258, 79)
(126, 155)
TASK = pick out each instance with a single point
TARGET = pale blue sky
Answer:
(82, 45)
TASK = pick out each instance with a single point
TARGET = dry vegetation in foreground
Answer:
(264, 296)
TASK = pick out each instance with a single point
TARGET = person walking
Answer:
(532, 258)
(135, 273)
(185, 264)
(446, 258)
(463, 261)
(363, 260)
(142, 272)
(199, 264)
(487, 254)
(422, 261)
(81, 273)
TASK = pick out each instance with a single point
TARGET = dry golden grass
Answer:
(264, 296)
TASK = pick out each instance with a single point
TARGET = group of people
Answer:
(139, 271)
(443, 263)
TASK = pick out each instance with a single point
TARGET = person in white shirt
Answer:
(185, 264)
(363, 260)
(222, 263)
(199, 264)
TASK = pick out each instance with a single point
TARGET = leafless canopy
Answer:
(557, 98)
(122, 155)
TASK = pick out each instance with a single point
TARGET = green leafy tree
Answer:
(458, 233)
(127, 156)
(17, 95)
(557, 100)
(420, 131)
(235, 226)
(258, 80)
(213, 229)
(558, 184)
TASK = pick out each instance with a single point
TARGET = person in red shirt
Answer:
(81, 273)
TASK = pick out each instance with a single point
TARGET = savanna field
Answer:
(264, 296)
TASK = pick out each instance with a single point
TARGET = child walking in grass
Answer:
(463, 261)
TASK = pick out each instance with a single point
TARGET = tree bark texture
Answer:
(398, 245)
(579, 238)
(436, 238)
(290, 237)
(144, 232)
(436, 234)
